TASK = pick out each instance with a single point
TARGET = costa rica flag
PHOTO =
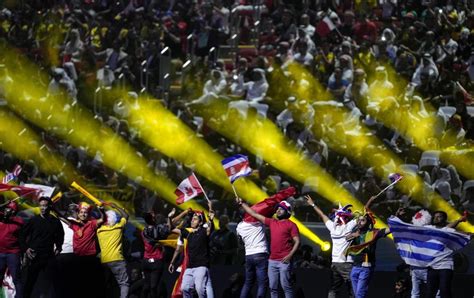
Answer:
(236, 166)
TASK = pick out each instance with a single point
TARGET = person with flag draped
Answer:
(196, 276)
(430, 246)
(285, 239)
(340, 224)
(362, 250)
(252, 233)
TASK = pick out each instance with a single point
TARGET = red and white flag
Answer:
(188, 189)
(10, 176)
(19, 190)
(43, 190)
(325, 26)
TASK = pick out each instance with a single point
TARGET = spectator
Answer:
(10, 226)
(223, 244)
(41, 240)
(109, 236)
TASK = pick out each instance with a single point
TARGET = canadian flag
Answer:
(188, 189)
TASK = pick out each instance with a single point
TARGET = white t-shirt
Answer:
(68, 234)
(446, 262)
(253, 236)
(339, 242)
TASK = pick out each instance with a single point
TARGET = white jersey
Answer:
(339, 242)
(253, 236)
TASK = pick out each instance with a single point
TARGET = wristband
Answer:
(313, 205)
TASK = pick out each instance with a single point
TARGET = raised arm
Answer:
(101, 219)
(170, 218)
(455, 223)
(180, 216)
(369, 202)
(250, 211)
(122, 211)
(210, 223)
(321, 214)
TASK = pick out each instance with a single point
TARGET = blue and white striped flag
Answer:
(424, 246)
(236, 166)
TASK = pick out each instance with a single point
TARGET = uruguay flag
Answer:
(423, 246)
(236, 166)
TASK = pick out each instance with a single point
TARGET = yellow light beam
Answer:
(264, 139)
(351, 138)
(162, 130)
(71, 122)
(19, 139)
(411, 122)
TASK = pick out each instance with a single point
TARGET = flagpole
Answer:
(203, 191)
(390, 185)
(235, 191)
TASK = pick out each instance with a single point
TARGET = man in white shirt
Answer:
(252, 233)
(66, 259)
(339, 228)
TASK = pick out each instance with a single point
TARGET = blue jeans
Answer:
(282, 272)
(12, 262)
(197, 279)
(255, 266)
(418, 277)
(360, 278)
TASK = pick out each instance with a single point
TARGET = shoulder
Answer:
(270, 221)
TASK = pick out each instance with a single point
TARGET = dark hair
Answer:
(44, 199)
(149, 218)
(444, 214)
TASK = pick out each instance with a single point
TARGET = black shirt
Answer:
(42, 234)
(198, 247)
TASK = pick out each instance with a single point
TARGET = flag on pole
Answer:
(10, 176)
(395, 177)
(43, 190)
(423, 246)
(19, 190)
(188, 189)
(236, 166)
(325, 26)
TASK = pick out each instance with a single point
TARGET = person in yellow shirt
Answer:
(110, 241)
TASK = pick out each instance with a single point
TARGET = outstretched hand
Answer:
(400, 212)
(309, 200)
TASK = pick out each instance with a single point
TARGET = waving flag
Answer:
(43, 190)
(236, 166)
(325, 26)
(10, 176)
(188, 189)
(424, 246)
(19, 190)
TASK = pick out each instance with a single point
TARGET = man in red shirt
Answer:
(84, 246)
(285, 240)
(10, 225)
